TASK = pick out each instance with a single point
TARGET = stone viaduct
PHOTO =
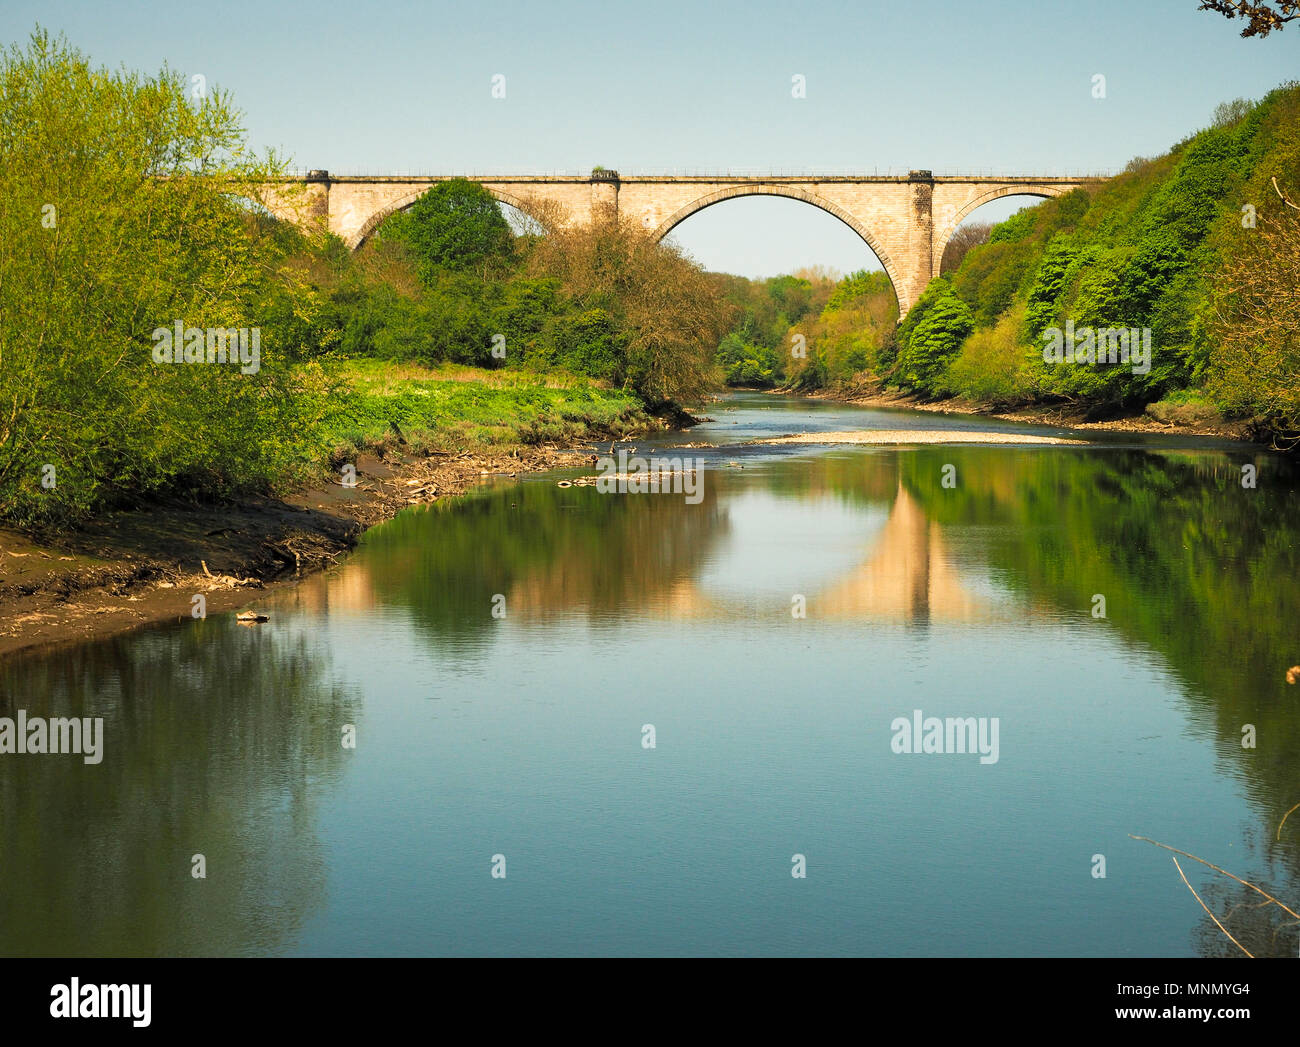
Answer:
(906, 220)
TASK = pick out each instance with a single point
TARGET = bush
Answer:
(145, 233)
(456, 226)
(1184, 407)
(993, 365)
(931, 335)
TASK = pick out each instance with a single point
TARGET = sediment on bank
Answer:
(915, 437)
(144, 566)
(1063, 415)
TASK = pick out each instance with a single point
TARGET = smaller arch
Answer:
(402, 203)
(792, 193)
(1043, 192)
(250, 204)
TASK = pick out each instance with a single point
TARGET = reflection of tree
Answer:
(1196, 572)
(559, 552)
(551, 552)
(217, 740)
(857, 478)
(1242, 917)
(1194, 567)
(1261, 927)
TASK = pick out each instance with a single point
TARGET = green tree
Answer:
(456, 226)
(931, 335)
(119, 217)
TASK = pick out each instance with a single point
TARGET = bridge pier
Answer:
(918, 265)
(604, 196)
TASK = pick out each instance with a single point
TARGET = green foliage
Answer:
(842, 323)
(591, 343)
(127, 206)
(1146, 249)
(756, 350)
(118, 217)
(931, 334)
(1043, 298)
(746, 364)
(991, 276)
(995, 365)
(1249, 317)
(456, 226)
(1018, 227)
(607, 303)
(857, 287)
(844, 342)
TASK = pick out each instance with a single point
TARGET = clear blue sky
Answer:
(975, 86)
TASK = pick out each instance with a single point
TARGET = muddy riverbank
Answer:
(128, 569)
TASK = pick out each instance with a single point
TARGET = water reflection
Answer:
(554, 554)
(1194, 569)
(225, 741)
(219, 740)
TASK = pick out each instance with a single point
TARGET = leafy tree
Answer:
(844, 342)
(457, 227)
(746, 364)
(994, 364)
(1250, 315)
(766, 312)
(118, 217)
(931, 335)
(1193, 245)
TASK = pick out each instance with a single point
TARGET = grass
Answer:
(1184, 407)
(462, 408)
(379, 376)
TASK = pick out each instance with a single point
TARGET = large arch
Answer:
(1043, 192)
(793, 193)
(402, 203)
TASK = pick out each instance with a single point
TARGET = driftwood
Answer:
(1245, 883)
(230, 580)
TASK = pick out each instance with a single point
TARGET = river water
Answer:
(520, 741)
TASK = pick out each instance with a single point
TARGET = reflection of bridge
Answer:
(907, 578)
(906, 220)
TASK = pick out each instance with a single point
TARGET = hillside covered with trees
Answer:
(1201, 246)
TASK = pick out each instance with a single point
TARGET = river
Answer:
(599, 723)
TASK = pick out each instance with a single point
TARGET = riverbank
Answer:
(913, 437)
(415, 434)
(129, 569)
(1066, 416)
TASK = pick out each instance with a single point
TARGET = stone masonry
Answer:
(906, 220)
